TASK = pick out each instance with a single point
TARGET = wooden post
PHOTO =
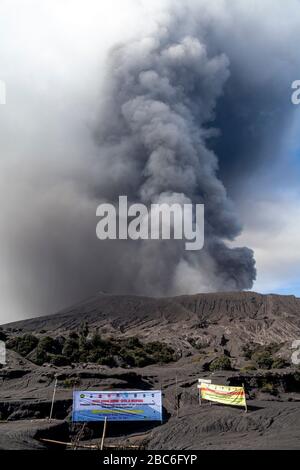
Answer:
(200, 398)
(246, 407)
(53, 398)
(162, 391)
(103, 434)
(200, 382)
(78, 436)
(176, 398)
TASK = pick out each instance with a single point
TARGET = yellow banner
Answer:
(222, 394)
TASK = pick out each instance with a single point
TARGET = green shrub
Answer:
(48, 348)
(160, 352)
(84, 330)
(2, 335)
(49, 345)
(107, 361)
(71, 382)
(220, 363)
(23, 345)
(59, 360)
(71, 348)
(132, 343)
(100, 351)
(263, 359)
(73, 335)
(249, 367)
(98, 343)
(140, 360)
(279, 363)
(76, 347)
(127, 357)
(261, 354)
(269, 388)
(297, 376)
(248, 350)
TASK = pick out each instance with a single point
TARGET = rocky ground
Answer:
(223, 321)
(271, 422)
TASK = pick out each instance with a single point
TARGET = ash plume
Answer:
(154, 146)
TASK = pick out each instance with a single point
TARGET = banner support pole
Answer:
(161, 394)
(246, 407)
(103, 434)
(200, 397)
(176, 397)
(53, 398)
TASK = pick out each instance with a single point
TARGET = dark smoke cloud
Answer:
(192, 109)
(156, 122)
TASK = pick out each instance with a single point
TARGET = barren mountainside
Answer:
(205, 318)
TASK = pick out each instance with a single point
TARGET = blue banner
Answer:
(117, 406)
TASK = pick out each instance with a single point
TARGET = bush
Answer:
(73, 335)
(263, 359)
(71, 382)
(98, 343)
(279, 363)
(47, 349)
(261, 354)
(59, 360)
(2, 335)
(247, 350)
(79, 348)
(132, 343)
(107, 361)
(220, 363)
(249, 367)
(269, 388)
(49, 345)
(159, 352)
(71, 348)
(140, 360)
(23, 345)
(84, 330)
(296, 380)
(99, 350)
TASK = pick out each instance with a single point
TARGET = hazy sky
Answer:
(54, 57)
